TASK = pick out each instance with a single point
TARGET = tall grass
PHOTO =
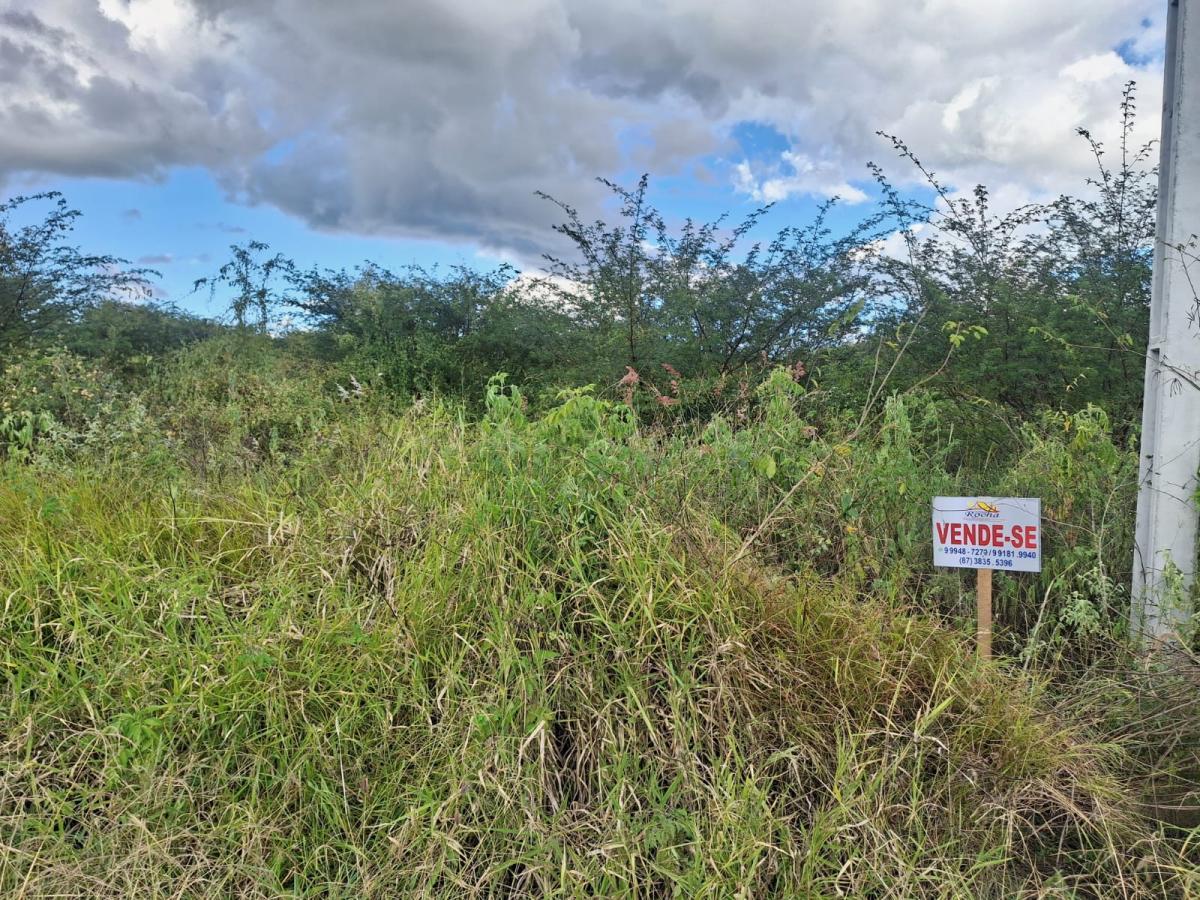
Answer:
(405, 654)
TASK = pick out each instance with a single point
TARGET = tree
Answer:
(45, 282)
(1104, 256)
(617, 302)
(802, 292)
(258, 281)
(705, 296)
(120, 332)
(1047, 304)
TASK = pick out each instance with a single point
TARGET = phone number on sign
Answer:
(987, 557)
(985, 562)
(992, 553)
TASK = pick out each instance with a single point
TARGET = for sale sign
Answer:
(988, 533)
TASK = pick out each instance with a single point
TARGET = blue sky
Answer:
(183, 227)
(184, 224)
(344, 132)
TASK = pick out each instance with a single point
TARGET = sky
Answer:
(419, 131)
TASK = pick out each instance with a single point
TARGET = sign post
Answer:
(983, 612)
(987, 533)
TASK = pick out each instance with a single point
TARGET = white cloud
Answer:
(552, 292)
(440, 118)
(798, 174)
(963, 101)
(895, 244)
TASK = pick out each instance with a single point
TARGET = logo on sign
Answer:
(981, 509)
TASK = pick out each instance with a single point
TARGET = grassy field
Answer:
(257, 641)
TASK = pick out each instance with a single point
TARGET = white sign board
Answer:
(988, 533)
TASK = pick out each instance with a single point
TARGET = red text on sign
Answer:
(985, 535)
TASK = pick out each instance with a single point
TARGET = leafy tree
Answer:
(426, 329)
(257, 280)
(1103, 260)
(1042, 306)
(801, 293)
(705, 296)
(120, 331)
(617, 301)
(47, 283)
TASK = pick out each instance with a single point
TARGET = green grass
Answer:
(421, 657)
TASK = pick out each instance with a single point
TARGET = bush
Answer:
(56, 406)
(518, 657)
(236, 402)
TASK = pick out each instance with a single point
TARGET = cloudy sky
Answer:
(419, 130)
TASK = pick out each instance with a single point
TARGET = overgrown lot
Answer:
(267, 633)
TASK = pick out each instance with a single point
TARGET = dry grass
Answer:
(431, 659)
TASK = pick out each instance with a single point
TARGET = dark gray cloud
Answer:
(79, 95)
(440, 118)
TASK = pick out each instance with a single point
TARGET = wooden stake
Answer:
(983, 612)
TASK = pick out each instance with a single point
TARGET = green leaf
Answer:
(765, 465)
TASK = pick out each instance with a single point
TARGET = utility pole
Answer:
(1164, 564)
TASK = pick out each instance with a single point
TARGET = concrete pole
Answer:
(1164, 564)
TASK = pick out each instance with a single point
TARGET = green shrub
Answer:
(56, 406)
(516, 657)
(236, 402)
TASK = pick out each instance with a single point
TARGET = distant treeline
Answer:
(1044, 306)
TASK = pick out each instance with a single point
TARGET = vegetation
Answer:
(46, 283)
(340, 611)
